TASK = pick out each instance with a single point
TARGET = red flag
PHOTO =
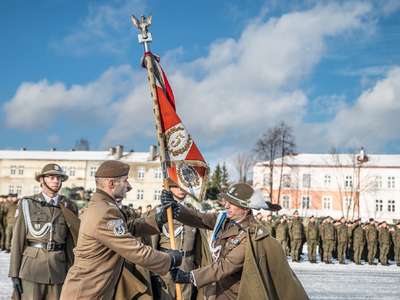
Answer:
(186, 165)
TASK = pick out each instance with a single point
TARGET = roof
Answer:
(307, 159)
(71, 155)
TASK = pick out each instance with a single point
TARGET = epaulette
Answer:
(260, 232)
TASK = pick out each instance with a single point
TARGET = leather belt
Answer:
(50, 246)
(184, 253)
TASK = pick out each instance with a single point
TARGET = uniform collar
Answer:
(55, 198)
(105, 196)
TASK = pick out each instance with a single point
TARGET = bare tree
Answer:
(242, 163)
(276, 142)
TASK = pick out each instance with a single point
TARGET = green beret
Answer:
(112, 169)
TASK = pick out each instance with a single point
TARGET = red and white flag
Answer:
(186, 165)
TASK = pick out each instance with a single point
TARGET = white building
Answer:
(334, 184)
(18, 169)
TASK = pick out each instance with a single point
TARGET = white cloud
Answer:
(104, 29)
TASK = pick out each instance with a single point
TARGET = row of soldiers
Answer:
(339, 239)
(8, 208)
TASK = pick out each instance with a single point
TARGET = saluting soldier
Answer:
(282, 233)
(342, 238)
(42, 243)
(269, 224)
(371, 234)
(384, 243)
(358, 241)
(312, 236)
(105, 240)
(233, 232)
(328, 239)
(11, 209)
(296, 232)
(396, 241)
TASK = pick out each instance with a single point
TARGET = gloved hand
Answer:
(167, 200)
(17, 284)
(212, 193)
(179, 276)
(176, 258)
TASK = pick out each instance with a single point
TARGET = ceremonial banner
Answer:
(185, 164)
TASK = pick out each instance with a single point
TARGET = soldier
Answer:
(296, 232)
(312, 236)
(233, 231)
(358, 241)
(42, 243)
(342, 237)
(371, 234)
(282, 233)
(384, 243)
(396, 241)
(269, 224)
(11, 209)
(185, 238)
(328, 239)
(350, 227)
(105, 240)
(2, 229)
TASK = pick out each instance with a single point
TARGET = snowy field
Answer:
(321, 281)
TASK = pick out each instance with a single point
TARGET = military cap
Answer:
(398, 222)
(12, 195)
(112, 169)
(52, 169)
(371, 219)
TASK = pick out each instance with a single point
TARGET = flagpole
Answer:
(145, 38)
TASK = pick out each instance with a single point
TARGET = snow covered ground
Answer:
(321, 281)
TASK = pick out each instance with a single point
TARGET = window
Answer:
(327, 203)
(20, 170)
(378, 182)
(11, 189)
(286, 201)
(19, 190)
(140, 195)
(286, 182)
(36, 190)
(93, 171)
(306, 180)
(378, 205)
(140, 174)
(348, 182)
(158, 173)
(348, 202)
(327, 180)
(391, 182)
(13, 170)
(391, 206)
(157, 195)
(305, 202)
(72, 171)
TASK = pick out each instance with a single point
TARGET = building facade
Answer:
(18, 169)
(349, 185)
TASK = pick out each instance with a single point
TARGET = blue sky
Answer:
(331, 69)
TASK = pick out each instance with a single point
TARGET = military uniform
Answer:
(342, 238)
(396, 242)
(41, 247)
(358, 243)
(2, 228)
(185, 237)
(282, 235)
(11, 209)
(328, 240)
(270, 225)
(296, 231)
(312, 235)
(384, 245)
(371, 234)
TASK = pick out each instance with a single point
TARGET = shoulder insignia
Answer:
(118, 226)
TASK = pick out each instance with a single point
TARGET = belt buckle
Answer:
(51, 246)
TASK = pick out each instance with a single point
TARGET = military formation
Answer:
(335, 240)
(108, 251)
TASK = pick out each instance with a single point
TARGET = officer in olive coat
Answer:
(358, 241)
(296, 232)
(10, 212)
(396, 241)
(312, 235)
(342, 239)
(371, 235)
(384, 243)
(41, 251)
(328, 236)
(105, 240)
(2, 217)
